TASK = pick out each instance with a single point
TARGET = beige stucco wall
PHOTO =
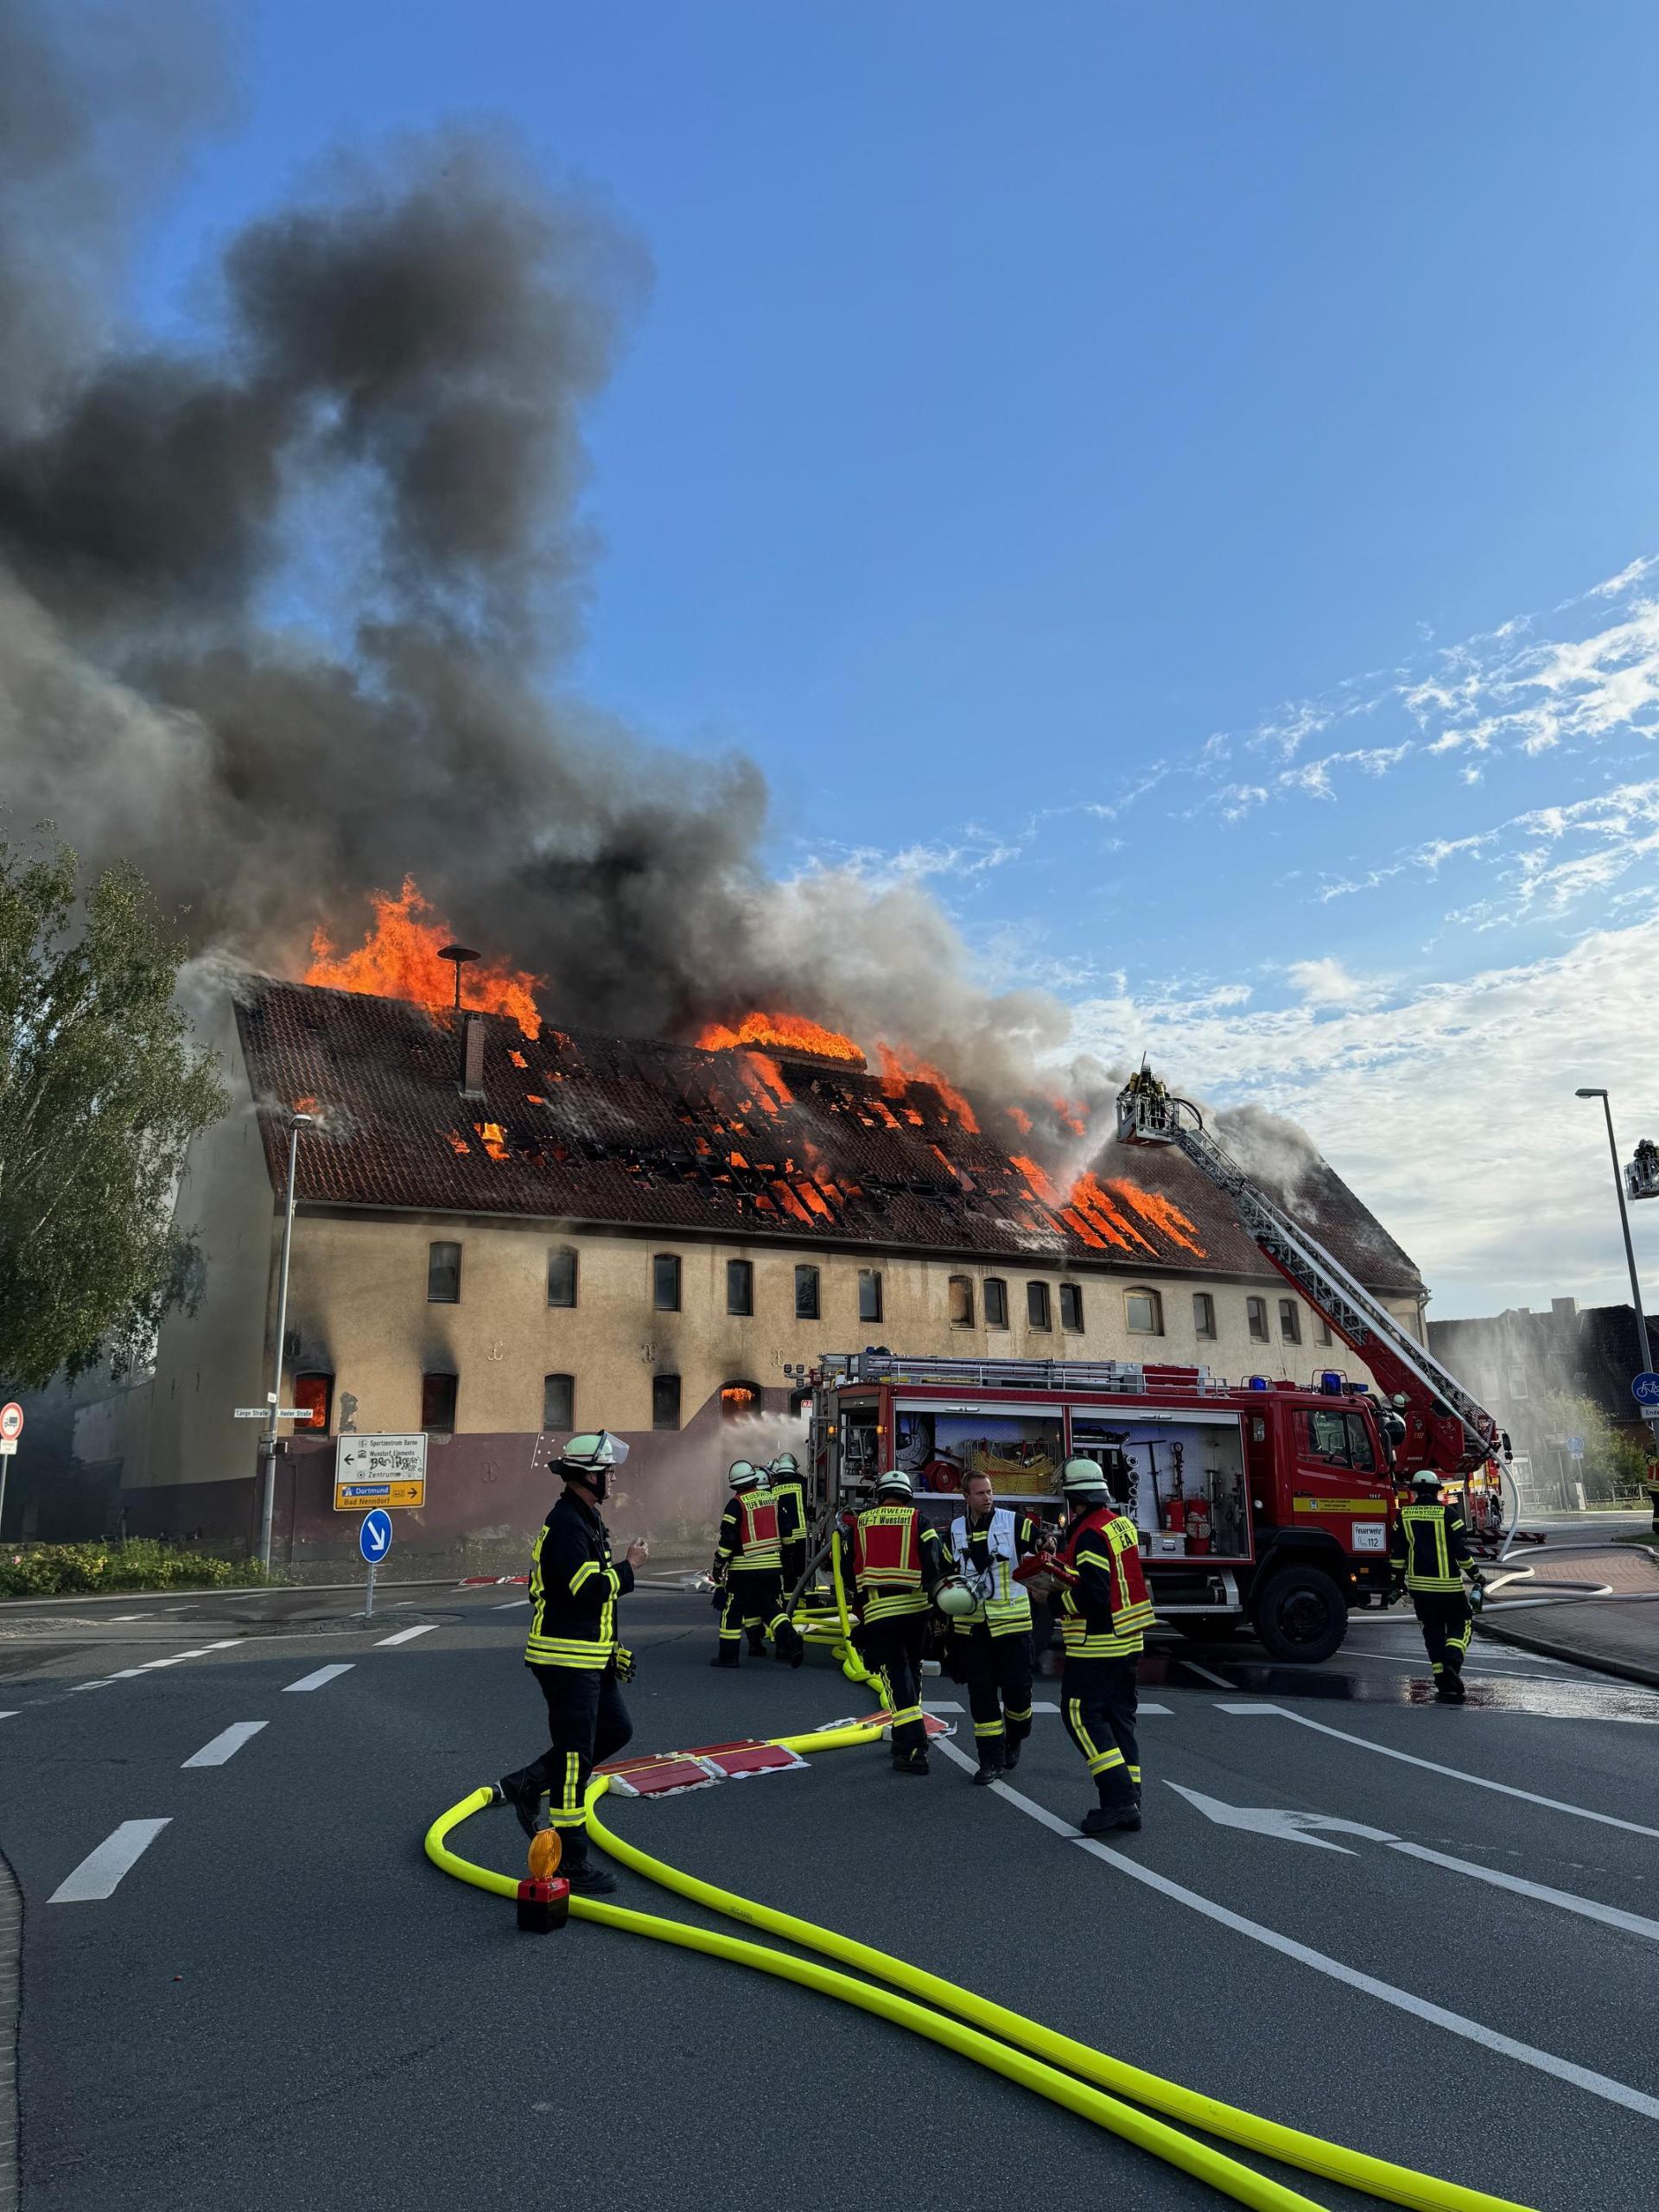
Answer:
(359, 1303)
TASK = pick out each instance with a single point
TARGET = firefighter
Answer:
(1104, 1613)
(1431, 1544)
(748, 1566)
(573, 1653)
(892, 1561)
(787, 1488)
(993, 1642)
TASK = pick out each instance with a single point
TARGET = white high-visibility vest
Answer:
(1003, 1603)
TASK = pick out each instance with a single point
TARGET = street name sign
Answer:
(379, 1471)
(263, 1413)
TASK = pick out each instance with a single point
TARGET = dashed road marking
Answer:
(225, 1744)
(322, 1675)
(406, 1635)
(1220, 1681)
(511, 1605)
(98, 1873)
(1404, 2000)
(1456, 1774)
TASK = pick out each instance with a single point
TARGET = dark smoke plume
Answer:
(282, 612)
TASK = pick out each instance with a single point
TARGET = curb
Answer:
(11, 2055)
(1648, 1676)
(218, 1590)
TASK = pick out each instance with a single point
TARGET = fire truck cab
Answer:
(1262, 1503)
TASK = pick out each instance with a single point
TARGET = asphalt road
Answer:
(279, 2002)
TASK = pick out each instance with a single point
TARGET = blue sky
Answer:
(1146, 472)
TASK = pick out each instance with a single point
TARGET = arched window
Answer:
(1143, 1311)
(739, 1398)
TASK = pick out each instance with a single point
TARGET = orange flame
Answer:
(1040, 1186)
(783, 1030)
(774, 1091)
(1021, 1119)
(398, 959)
(494, 1136)
(1092, 1213)
(458, 1140)
(900, 1068)
(1161, 1213)
(1072, 1117)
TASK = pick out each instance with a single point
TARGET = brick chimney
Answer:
(472, 1056)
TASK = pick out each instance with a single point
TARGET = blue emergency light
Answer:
(1331, 1383)
(1259, 1383)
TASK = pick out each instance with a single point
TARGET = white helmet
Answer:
(953, 1596)
(894, 1483)
(588, 1460)
(786, 1464)
(743, 1475)
(1083, 1478)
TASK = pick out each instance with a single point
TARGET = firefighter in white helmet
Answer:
(1104, 1612)
(574, 1654)
(892, 1561)
(992, 1644)
(749, 1570)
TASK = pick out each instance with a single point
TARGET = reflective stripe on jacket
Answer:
(1105, 1613)
(574, 1587)
(1433, 1544)
(749, 1542)
(895, 1560)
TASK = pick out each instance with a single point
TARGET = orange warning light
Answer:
(544, 1855)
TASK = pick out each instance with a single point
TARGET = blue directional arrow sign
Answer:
(1645, 1390)
(1575, 1445)
(374, 1537)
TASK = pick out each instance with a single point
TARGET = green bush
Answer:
(53, 1570)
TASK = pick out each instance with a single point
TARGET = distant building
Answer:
(497, 1239)
(1515, 1360)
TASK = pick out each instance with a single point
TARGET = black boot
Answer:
(910, 1762)
(1012, 1744)
(585, 1879)
(756, 1644)
(725, 1655)
(990, 1767)
(788, 1645)
(1102, 1819)
(524, 1791)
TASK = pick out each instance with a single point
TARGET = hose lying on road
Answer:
(1056, 2067)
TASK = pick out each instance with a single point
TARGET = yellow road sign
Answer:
(358, 1497)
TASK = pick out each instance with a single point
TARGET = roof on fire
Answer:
(597, 1129)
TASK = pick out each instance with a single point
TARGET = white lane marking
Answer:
(225, 1744)
(1038, 1705)
(202, 1652)
(323, 1674)
(1599, 2085)
(1220, 1681)
(1457, 1774)
(12, 1714)
(511, 1605)
(940, 1705)
(98, 1872)
(405, 1635)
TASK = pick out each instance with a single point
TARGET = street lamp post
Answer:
(296, 1122)
(1642, 1345)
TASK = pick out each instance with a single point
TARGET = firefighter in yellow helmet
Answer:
(1431, 1546)
(1104, 1612)
(749, 1570)
(573, 1652)
(892, 1561)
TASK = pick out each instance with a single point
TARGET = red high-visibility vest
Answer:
(760, 1519)
(887, 1547)
(1128, 1576)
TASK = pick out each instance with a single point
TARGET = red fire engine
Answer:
(1262, 1502)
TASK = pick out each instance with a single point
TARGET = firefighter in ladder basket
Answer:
(1104, 1613)
(749, 1574)
(1431, 1543)
(894, 1562)
(992, 1644)
(573, 1652)
(785, 1482)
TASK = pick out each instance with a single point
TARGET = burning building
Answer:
(504, 1230)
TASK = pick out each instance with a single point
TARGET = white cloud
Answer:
(1327, 983)
(1451, 1109)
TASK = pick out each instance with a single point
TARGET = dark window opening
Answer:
(869, 1293)
(996, 1302)
(444, 1274)
(806, 1294)
(1322, 1331)
(1256, 1308)
(1037, 1305)
(962, 1302)
(561, 1274)
(316, 1394)
(1143, 1311)
(665, 1284)
(1203, 1314)
(739, 1286)
(438, 1394)
(1071, 1306)
(558, 1401)
(664, 1401)
(1290, 1321)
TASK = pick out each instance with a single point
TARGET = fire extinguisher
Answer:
(1198, 1527)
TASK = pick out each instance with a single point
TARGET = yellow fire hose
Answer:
(1055, 2066)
